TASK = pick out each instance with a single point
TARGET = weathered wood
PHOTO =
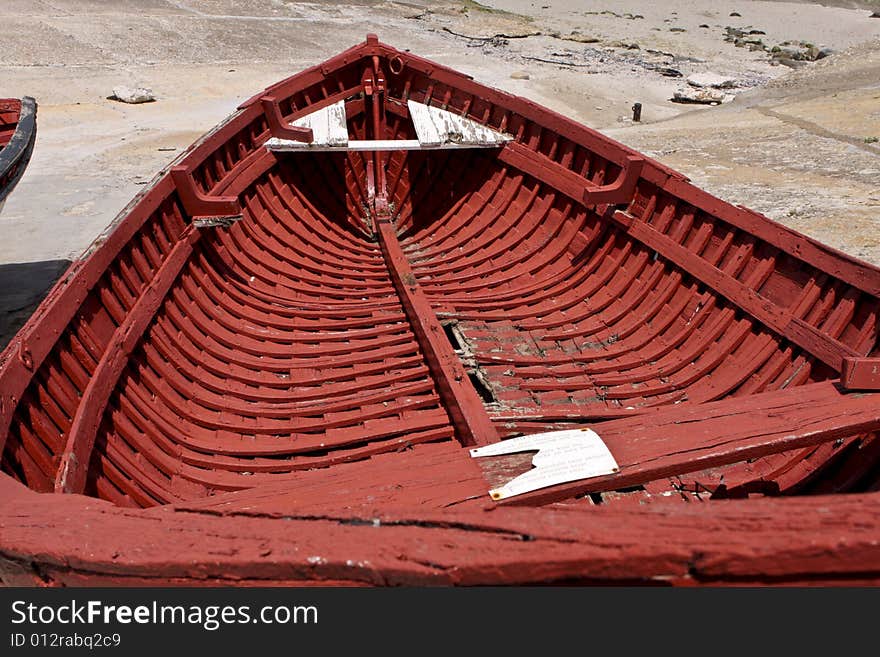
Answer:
(73, 468)
(298, 368)
(561, 457)
(465, 408)
(435, 126)
(428, 476)
(369, 145)
(687, 439)
(324, 127)
(861, 373)
(16, 148)
(819, 344)
(828, 539)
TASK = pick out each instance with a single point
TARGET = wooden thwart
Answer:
(688, 439)
(436, 129)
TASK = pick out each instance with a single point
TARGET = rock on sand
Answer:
(133, 95)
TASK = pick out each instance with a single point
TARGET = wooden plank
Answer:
(73, 469)
(861, 373)
(795, 540)
(288, 146)
(472, 423)
(779, 320)
(328, 125)
(425, 476)
(337, 120)
(436, 129)
(435, 126)
(687, 439)
(428, 134)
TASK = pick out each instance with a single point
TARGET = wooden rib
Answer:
(74, 463)
(472, 423)
(546, 242)
(215, 444)
(63, 302)
(828, 350)
(716, 362)
(858, 274)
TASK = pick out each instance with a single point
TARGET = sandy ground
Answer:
(796, 144)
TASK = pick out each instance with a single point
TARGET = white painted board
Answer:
(328, 124)
(436, 126)
(563, 456)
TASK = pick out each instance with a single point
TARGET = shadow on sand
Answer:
(22, 287)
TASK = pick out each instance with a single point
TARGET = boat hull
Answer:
(18, 133)
(297, 350)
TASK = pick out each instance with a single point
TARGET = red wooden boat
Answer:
(18, 132)
(325, 346)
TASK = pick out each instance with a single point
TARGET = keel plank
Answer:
(472, 422)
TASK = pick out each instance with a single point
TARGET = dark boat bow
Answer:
(18, 133)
